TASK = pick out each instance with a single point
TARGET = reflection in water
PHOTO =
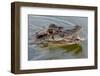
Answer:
(49, 52)
(74, 48)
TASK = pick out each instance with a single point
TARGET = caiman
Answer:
(65, 37)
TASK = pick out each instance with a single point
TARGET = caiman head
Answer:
(73, 31)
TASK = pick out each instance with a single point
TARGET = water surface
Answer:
(38, 23)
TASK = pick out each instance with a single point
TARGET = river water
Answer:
(38, 22)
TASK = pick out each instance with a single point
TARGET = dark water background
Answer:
(37, 23)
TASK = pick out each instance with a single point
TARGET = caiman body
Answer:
(64, 37)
